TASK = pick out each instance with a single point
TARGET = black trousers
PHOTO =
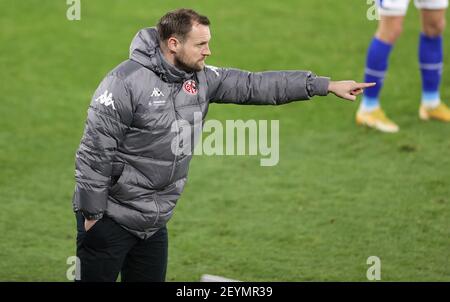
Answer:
(107, 249)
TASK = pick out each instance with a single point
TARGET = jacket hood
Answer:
(145, 50)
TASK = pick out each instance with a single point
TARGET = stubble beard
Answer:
(182, 63)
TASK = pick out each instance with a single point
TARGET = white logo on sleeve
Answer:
(106, 99)
(157, 92)
(213, 69)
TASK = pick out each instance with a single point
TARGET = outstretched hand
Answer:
(348, 89)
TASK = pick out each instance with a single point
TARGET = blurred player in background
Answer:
(392, 13)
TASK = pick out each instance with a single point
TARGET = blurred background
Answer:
(338, 195)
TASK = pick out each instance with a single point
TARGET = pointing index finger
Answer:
(364, 85)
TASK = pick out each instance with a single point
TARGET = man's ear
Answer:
(173, 44)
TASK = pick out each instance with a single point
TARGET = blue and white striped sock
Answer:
(376, 67)
(431, 65)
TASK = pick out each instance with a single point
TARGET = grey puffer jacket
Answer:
(125, 164)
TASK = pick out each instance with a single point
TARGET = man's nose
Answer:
(207, 51)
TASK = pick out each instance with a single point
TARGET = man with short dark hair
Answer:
(128, 175)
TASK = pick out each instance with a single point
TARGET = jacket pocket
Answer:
(94, 227)
(117, 178)
(116, 173)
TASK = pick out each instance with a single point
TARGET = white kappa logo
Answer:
(106, 99)
(157, 92)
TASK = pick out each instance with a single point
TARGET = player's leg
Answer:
(431, 59)
(390, 27)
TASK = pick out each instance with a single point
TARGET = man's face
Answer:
(194, 49)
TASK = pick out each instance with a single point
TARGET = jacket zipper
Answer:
(155, 198)
(177, 135)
